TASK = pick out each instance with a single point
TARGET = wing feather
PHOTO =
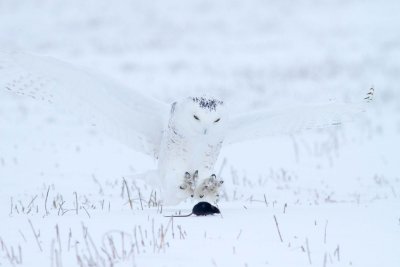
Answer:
(262, 123)
(124, 114)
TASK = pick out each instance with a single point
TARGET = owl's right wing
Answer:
(262, 123)
(124, 114)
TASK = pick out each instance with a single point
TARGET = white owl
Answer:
(186, 137)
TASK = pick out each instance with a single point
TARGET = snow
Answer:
(340, 186)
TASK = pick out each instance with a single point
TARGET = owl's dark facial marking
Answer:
(208, 103)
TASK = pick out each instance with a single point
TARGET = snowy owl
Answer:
(185, 137)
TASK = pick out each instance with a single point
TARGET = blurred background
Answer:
(335, 192)
(253, 54)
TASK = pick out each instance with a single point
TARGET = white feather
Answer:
(261, 123)
(124, 114)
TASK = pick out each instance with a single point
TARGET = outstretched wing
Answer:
(124, 114)
(262, 123)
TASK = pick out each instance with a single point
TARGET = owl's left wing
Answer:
(262, 123)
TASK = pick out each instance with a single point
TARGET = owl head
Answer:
(205, 116)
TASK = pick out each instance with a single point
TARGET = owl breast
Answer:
(180, 154)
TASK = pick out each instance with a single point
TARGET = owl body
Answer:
(190, 144)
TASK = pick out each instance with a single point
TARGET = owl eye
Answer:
(217, 120)
(197, 118)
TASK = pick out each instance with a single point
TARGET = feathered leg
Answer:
(189, 182)
(210, 187)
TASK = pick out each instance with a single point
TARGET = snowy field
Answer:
(318, 198)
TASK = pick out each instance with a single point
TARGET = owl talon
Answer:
(210, 187)
(189, 182)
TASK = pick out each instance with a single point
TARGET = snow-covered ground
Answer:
(317, 198)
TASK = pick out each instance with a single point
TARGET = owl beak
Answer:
(205, 131)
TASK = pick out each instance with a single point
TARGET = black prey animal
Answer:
(201, 209)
